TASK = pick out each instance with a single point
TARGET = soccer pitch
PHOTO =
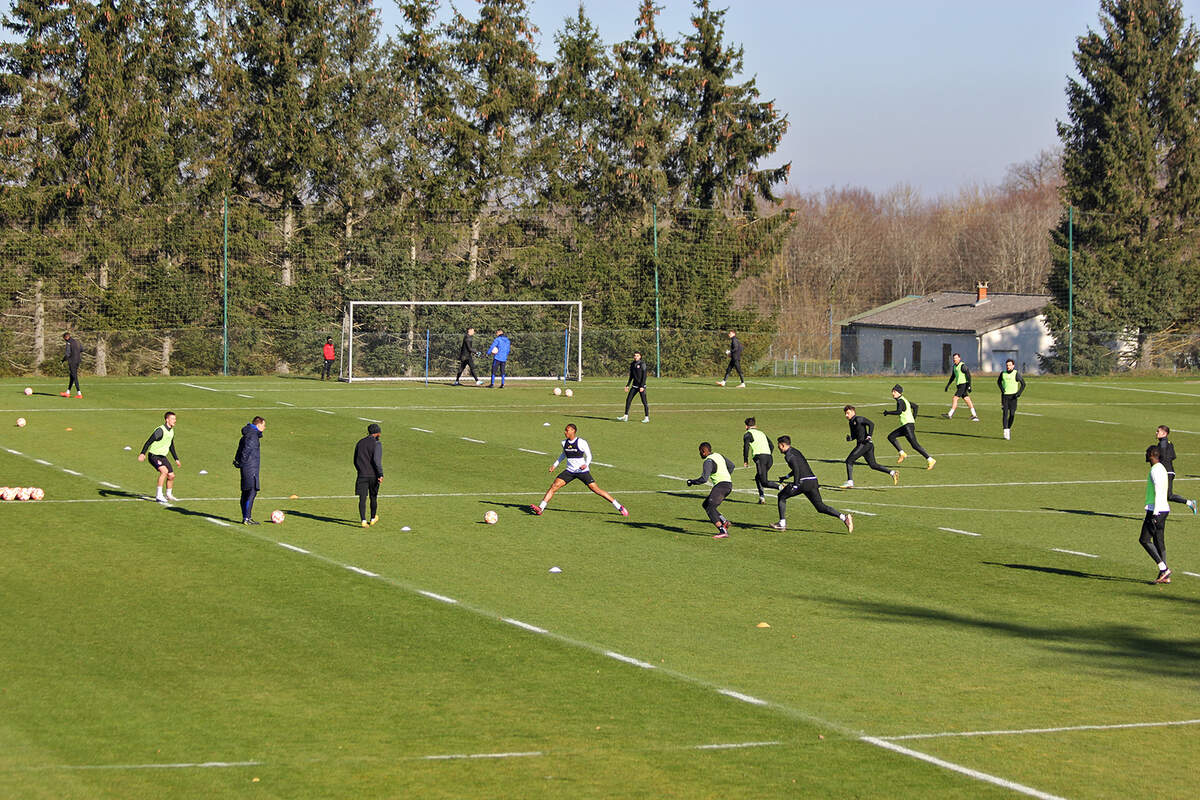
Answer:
(989, 629)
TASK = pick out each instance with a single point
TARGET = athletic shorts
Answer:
(159, 461)
(961, 390)
(364, 486)
(566, 476)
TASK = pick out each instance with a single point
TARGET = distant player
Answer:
(1166, 455)
(368, 468)
(246, 459)
(804, 482)
(1012, 386)
(466, 358)
(735, 361)
(908, 428)
(1153, 538)
(74, 354)
(756, 445)
(861, 430)
(578, 455)
(717, 472)
(499, 350)
(636, 385)
(960, 377)
(161, 449)
(329, 356)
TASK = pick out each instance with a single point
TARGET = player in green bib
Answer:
(1012, 386)
(960, 378)
(717, 472)
(756, 445)
(908, 427)
(161, 449)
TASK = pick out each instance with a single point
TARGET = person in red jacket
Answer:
(329, 355)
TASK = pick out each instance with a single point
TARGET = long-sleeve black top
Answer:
(154, 437)
(735, 348)
(709, 468)
(73, 352)
(1020, 382)
(797, 466)
(368, 457)
(637, 375)
(464, 349)
(1166, 454)
(861, 429)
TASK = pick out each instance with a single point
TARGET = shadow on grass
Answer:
(122, 493)
(928, 432)
(318, 518)
(1068, 573)
(187, 512)
(1088, 513)
(656, 526)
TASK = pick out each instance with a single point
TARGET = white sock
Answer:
(616, 505)
(1162, 565)
(542, 505)
(950, 413)
(842, 517)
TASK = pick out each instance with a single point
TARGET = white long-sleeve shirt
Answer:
(1156, 487)
(577, 454)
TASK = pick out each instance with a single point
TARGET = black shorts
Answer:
(249, 480)
(366, 486)
(160, 461)
(961, 390)
(585, 477)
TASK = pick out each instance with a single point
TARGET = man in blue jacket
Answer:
(499, 350)
(246, 459)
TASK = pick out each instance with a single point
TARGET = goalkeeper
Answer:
(466, 358)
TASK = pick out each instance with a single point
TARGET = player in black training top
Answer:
(717, 472)
(466, 358)
(861, 429)
(636, 385)
(368, 469)
(804, 482)
(907, 411)
(735, 361)
(1166, 455)
(74, 353)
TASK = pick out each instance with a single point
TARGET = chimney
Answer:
(981, 293)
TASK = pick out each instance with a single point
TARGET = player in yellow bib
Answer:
(960, 378)
(161, 448)
(908, 427)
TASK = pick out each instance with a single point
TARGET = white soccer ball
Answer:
(28, 391)
(20, 422)
(277, 516)
(4, 493)
(24, 492)
(36, 494)
(557, 391)
(570, 392)
(491, 517)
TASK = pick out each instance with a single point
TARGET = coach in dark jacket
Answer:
(73, 355)
(368, 464)
(246, 459)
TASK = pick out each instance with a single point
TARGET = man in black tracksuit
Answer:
(735, 361)
(861, 429)
(803, 482)
(1166, 457)
(466, 359)
(74, 353)
(368, 464)
(246, 459)
(636, 385)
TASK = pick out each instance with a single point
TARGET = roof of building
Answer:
(953, 311)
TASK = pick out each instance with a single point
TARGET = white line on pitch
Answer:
(367, 419)
(535, 452)
(14, 452)
(628, 660)
(422, 430)
(109, 485)
(360, 571)
(601, 464)
(469, 439)
(1103, 422)
(1023, 731)
(530, 754)
(43, 462)
(322, 411)
(734, 745)
(1030, 414)
(863, 513)
(247, 396)
(435, 596)
(745, 698)
(293, 547)
(1193, 574)
(970, 773)
(956, 530)
(280, 402)
(524, 625)
(670, 478)
(216, 521)
(205, 388)
(200, 765)
(1074, 552)
(71, 472)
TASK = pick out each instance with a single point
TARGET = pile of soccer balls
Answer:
(559, 391)
(21, 493)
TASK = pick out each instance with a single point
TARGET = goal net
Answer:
(420, 340)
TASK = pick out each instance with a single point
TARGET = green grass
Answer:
(137, 635)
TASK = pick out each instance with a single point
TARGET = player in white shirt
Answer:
(578, 456)
(1155, 524)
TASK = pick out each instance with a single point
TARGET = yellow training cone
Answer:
(763, 625)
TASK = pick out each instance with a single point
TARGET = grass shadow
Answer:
(1067, 573)
(107, 493)
(657, 526)
(928, 432)
(1088, 513)
(318, 518)
(187, 512)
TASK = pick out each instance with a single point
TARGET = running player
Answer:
(161, 444)
(960, 376)
(803, 482)
(908, 429)
(1166, 455)
(717, 472)
(636, 386)
(1154, 526)
(579, 461)
(861, 430)
(1012, 386)
(756, 445)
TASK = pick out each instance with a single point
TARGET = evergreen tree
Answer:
(1131, 164)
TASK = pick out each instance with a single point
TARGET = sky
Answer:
(938, 95)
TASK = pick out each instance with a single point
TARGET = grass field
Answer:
(990, 627)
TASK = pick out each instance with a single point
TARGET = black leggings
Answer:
(809, 489)
(248, 496)
(74, 380)
(365, 488)
(1171, 496)
(633, 391)
(734, 364)
(466, 364)
(1153, 538)
(714, 499)
(908, 431)
(864, 450)
(1008, 409)
(762, 465)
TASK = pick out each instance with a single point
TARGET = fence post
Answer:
(427, 356)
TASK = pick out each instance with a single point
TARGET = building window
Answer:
(916, 359)
(887, 353)
(946, 354)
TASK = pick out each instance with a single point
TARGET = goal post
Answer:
(419, 340)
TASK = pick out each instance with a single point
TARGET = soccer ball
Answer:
(277, 517)
(36, 494)
(4, 493)
(491, 517)
(20, 422)
(570, 393)
(24, 492)
(557, 391)
(28, 391)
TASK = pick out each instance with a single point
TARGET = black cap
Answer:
(898, 389)
(374, 428)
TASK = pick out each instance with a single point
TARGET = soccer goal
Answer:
(396, 340)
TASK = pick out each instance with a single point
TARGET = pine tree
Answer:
(1131, 163)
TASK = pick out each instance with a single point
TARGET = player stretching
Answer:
(756, 445)
(636, 386)
(960, 376)
(1154, 526)
(717, 472)
(161, 444)
(908, 429)
(803, 482)
(579, 460)
(1012, 386)
(1166, 455)
(861, 429)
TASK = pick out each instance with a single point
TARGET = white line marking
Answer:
(1103, 422)
(1074, 552)
(201, 765)
(368, 419)
(71, 472)
(524, 625)
(469, 439)
(535, 452)
(628, 660)
(441, 597)
(1193, 574)
(670, 478)
(601, 464)
(43, 462)
(247, 396)
(1181, 430)
(970, 773)
(109, 485)
(322, 411)
(956, 530)
(531, 754)
(216, 521)
(280, 402)
(745, 698)
(422, 430)
(293, 547)
(360, 571)
(198, 386)
(1030, 414)
(15, 452)
(735, 745)
(1065, 729)
(863, 513)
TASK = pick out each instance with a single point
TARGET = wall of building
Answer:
(1021, 342)
(863, 349)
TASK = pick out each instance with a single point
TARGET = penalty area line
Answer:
(1062, 729)
(205, 388)
(960, 769)
(956, 530)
